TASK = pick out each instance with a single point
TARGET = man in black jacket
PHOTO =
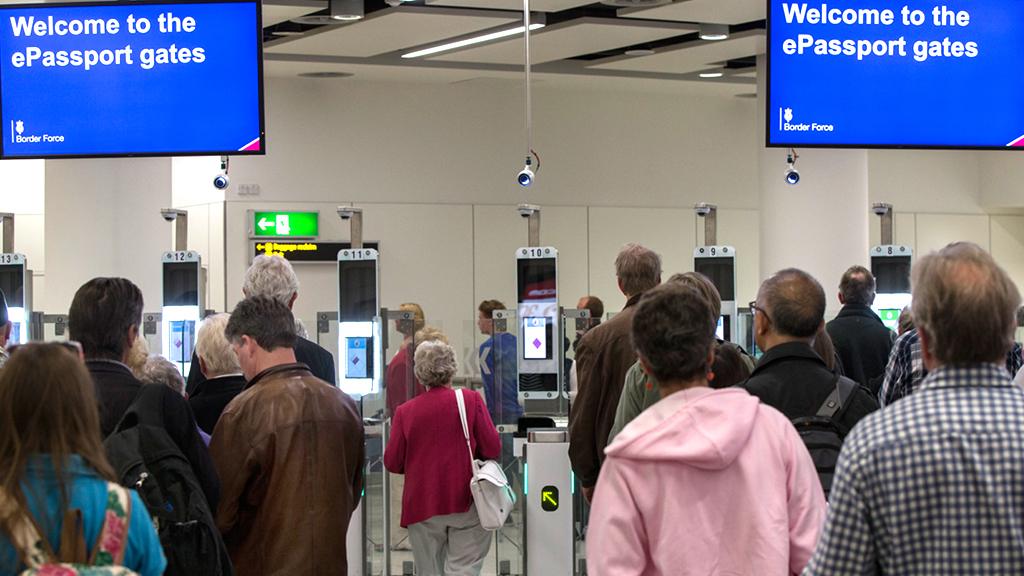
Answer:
(104, 317)
(273, 277)
(861, 340)
(791, 377)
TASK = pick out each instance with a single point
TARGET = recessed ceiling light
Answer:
(347, 10)
(639, 52)
(714, 32)
(471, 41)
(711, 74)
(317, 20)
(325, 74)
(287, 32)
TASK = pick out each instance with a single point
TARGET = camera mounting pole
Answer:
(7, 220)
(532, 214)
(884, 212)
(355, 222)
(180, 219)
(709, 212)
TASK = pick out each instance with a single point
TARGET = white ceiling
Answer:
(691, 57)
(535, 5)
(568, 39)
(392, 29)
(277, 13)
(707, 11)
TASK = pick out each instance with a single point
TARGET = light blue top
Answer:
(88, 493)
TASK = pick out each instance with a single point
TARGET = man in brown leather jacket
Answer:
(289, 451)
(603, 357)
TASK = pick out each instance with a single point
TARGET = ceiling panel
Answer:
(535, 5)
(566, 40)
(393, 29)
(708, 11)
(693, 56)
(277, 13)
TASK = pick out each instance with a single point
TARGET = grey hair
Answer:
(271, 276)
(435, 363)
(161, 371)
(638, 269)
(965, 303)
(213, 347)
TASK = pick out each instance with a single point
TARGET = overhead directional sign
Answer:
(285, 224)
(549, 498)
(301, 251)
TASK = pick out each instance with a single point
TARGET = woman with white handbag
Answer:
(428, 445)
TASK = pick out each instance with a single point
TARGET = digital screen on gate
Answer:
(909, 74)
(131, 79)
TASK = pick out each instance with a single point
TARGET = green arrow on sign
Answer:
(286, 224)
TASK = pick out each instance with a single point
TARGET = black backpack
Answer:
(822, 435)
(147, 460)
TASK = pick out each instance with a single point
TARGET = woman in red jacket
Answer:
(428, 446)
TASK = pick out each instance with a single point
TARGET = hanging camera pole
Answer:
(529, 99)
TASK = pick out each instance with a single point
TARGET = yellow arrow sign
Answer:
(546, 497)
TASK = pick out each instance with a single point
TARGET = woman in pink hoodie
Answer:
(705, 481)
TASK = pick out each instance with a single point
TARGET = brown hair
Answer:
(489, 306)
(673, 331)
(857, 286)
(637, 268)
(824, 347)
(965, 304)
(729, 367)
(47, 407)
(703, 285)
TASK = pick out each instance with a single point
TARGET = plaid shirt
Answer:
(933, 484)
(906, 370)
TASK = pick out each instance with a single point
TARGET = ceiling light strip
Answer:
(471, 41)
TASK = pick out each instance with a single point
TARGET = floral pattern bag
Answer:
(107, 555)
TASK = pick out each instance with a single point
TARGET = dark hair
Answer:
(47, 406)
(729, 367)
(102, 312)
(857, 286)
(4, 318)
(489, 306)
(595, 305)
(824, 347)
(673, 330)
(795, 302)
(266, 320)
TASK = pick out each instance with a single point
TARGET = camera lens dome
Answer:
(792, 177)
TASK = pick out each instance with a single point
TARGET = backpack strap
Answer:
(842, 389)
(113, 539)
(465, 430)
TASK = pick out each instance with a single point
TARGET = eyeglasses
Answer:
(755, 308)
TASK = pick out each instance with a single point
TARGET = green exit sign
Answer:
(285, 224)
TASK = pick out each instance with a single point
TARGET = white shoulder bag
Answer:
(491, 492)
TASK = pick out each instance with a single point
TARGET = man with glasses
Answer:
(791, 377)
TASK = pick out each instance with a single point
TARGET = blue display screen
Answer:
(134, 79)
(914, 74)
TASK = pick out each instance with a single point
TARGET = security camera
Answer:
(346, 212)
(881, 208)
(525, 177)
(527, 210)
(703, 209)
(792, 176)
(221, 181)
(169, 214)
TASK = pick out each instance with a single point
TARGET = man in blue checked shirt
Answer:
(932, 484)
(906, 369)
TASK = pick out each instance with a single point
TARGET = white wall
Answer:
(434, 166)
(103, 219)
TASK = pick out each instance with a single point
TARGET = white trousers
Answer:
(450, 545)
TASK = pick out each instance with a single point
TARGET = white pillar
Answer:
(819, 225)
